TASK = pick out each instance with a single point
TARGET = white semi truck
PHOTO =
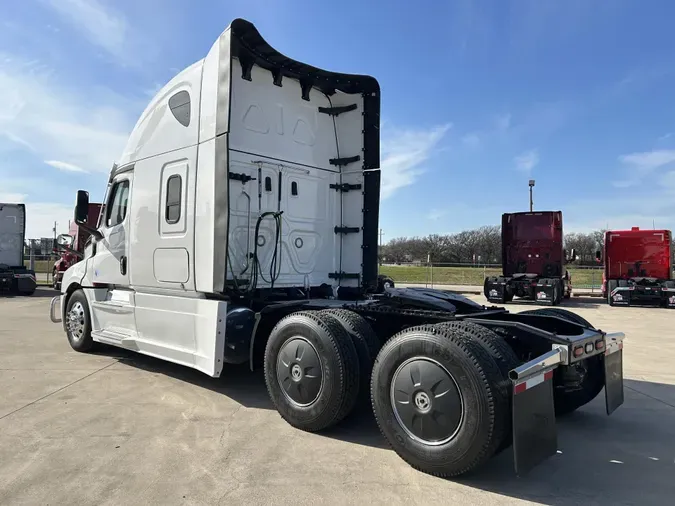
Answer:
(240, 224)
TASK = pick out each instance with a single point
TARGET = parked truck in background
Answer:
(533, 260)
(638, 267)
(72, 250)
(15, 278)
(240, 225)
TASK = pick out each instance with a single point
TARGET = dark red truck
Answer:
(533, 260)
(638, 268)
(73, 253)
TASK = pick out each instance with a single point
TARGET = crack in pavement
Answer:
(58, 390)
(649, 396)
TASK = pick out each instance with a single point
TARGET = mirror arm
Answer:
(92, 231)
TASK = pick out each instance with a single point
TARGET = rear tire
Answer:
(78, 323)
(557, 293)
(439, 376)
(504, 358)
(384, 282)
(311, 370)
(365, 341)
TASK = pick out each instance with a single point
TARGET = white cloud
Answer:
(12, 198)
(471, 140)
(639, 165)
(403, 155)
(40, 218)
(99, 23)
(18, 140)
(68, 167)
(527, 161)
(87, 131)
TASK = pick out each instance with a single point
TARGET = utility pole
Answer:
(531, 201)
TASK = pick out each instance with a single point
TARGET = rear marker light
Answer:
(589, 347)
(599, 344)
(578, 351)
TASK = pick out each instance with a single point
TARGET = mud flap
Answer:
(495, 291)
(543, 293)
(535, 437)
(613, 377)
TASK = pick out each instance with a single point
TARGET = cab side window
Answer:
(118, 202)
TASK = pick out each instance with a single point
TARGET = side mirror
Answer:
(82, 214)
(82, 207)
(65, 240)
(598, 256)
(573, 255)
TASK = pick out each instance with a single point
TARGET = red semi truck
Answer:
(533, 260)
(73, 253)
(638, 267)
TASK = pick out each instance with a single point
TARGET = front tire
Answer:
(78, 323)
(311, 370)
(437, 401)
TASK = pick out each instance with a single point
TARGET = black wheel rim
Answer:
(426, 401)
(299, 371)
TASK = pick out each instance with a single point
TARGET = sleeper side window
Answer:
(180, 107)
(173, 198)
(118, 203)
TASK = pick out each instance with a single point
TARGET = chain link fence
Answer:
(43, 265)
(584, 278)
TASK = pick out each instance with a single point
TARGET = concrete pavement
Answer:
(118, 428)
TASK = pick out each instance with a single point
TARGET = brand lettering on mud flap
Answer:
(494, 293)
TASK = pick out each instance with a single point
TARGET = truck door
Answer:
(111, 262)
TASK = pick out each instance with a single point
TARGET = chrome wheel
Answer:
(299, 371)
(426, 401)
(75, 323)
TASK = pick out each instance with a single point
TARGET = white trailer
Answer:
(15, 278)
(240, 225)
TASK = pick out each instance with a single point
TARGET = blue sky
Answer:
(477, 97)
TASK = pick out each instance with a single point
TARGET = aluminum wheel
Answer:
(426, 401)
(299, 371)
(75, 321)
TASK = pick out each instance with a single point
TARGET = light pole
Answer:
(531, 186)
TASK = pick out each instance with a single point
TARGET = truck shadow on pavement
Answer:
(626, 458)
(40, 293)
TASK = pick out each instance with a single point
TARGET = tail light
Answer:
(600, 344)
(578, 351)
